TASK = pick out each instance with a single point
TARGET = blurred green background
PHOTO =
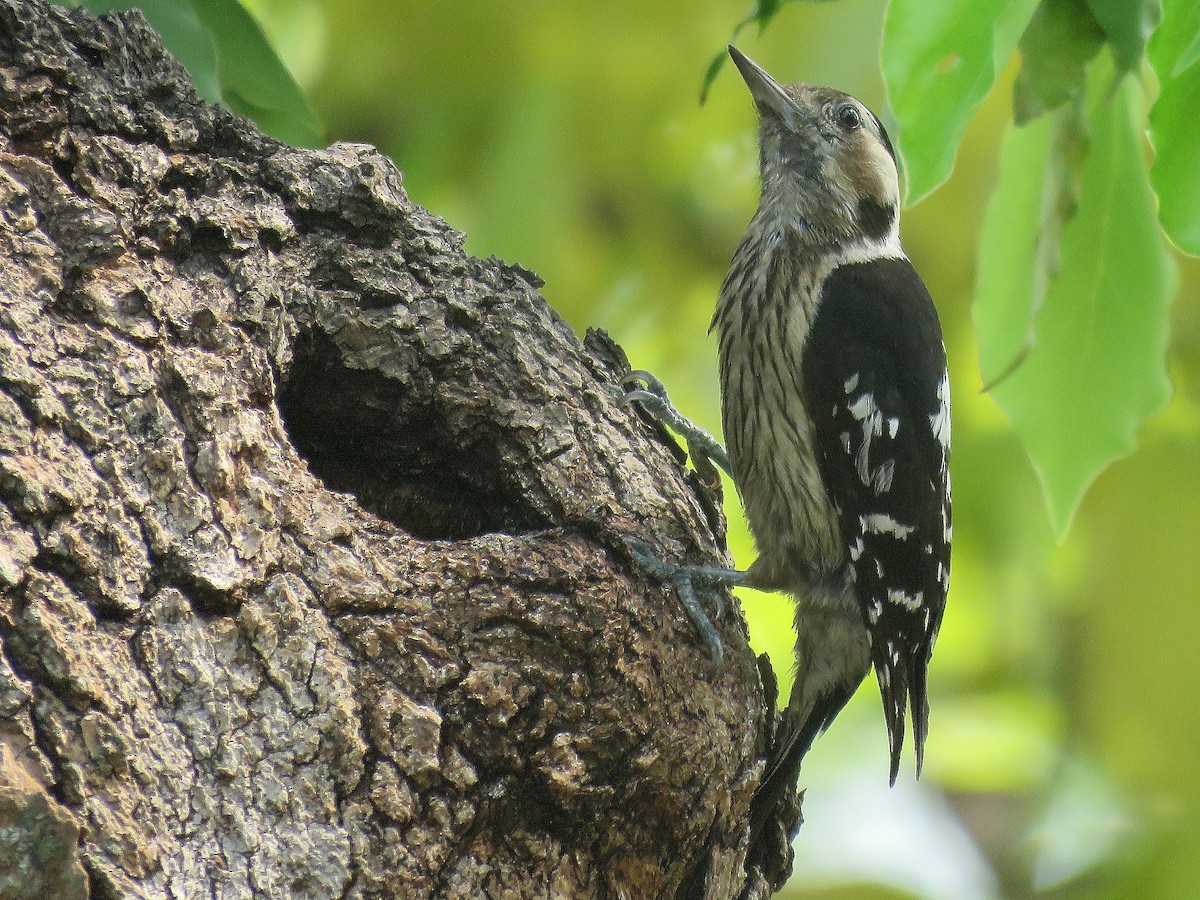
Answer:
(567, 136)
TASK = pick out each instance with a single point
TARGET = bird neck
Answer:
(784, 226)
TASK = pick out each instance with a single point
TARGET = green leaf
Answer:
(1011, 280)
(1019, 251)
(1128, 24)
(762, 12)
(1097, 369)
(1175, 173)
(1062, 38)
(254, 81)
(1036, 194)
(182, 34)
(715, 65)
(1188, 58)
(231, 62)
(939, 62)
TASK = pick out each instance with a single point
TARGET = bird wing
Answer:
(877, 390)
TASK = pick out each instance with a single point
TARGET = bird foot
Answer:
(692, 584)
(644, 388)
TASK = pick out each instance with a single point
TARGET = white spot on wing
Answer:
(865, 410)
(939, 422)
(862, 407)
(881, 481)
(851, 383)
(908, 601)
(882, 523)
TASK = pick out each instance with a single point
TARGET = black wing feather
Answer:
(875, 378)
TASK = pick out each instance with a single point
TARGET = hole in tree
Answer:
(371, 436)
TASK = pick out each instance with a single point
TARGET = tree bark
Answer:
(312, 571)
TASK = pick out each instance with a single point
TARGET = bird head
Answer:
(826, 161)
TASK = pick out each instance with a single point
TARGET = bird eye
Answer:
(847, 117)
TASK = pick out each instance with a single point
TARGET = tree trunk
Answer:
(312, 571)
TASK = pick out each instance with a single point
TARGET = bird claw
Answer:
(692, 583)
(651, 384)
(654, 403)
(644, 388)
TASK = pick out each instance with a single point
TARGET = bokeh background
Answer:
(1064, 757)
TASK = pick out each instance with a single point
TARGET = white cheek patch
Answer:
(865, 171)
(884, 169)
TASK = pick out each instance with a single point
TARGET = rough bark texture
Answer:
(312, 581)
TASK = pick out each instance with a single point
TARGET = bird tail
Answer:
(901, 685)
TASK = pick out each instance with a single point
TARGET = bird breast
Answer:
(762, 320)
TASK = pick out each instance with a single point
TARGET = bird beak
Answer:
(766, 91)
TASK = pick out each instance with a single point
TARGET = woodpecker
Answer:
(835, 403)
